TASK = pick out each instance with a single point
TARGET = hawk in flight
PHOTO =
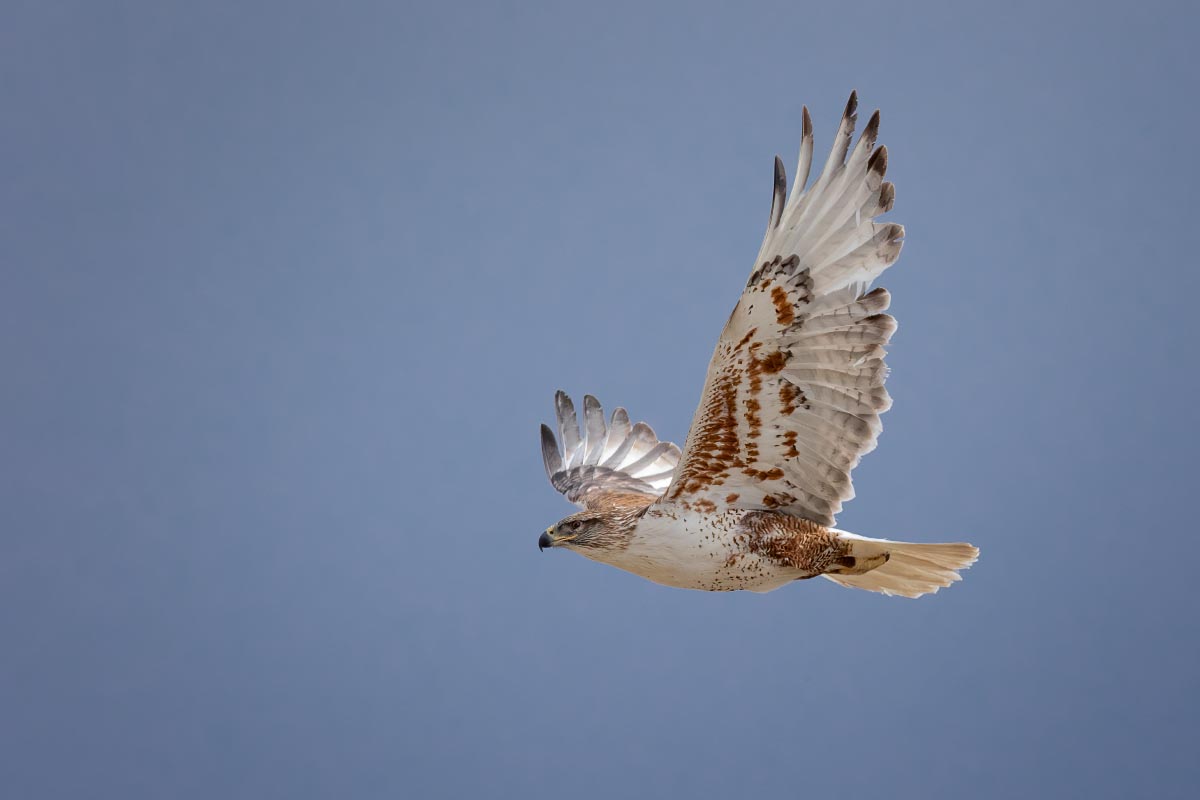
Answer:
(791, 403)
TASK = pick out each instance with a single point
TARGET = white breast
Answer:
(695, 551)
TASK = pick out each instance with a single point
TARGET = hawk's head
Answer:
(590, 532)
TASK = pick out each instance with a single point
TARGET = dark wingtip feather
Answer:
(806, 128)
(871, 132)
(887, 197)
(851, 104)
(878, 161)
(550, 455)
(564, 406)
(778, 193)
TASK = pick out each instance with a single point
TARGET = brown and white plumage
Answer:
(797, 376)
(791, 403)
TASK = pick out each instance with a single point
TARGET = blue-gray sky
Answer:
(286, 288)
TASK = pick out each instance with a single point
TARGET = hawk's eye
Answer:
(575, 525)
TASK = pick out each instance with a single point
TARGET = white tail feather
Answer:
(911, 570)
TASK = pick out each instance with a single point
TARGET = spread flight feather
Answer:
(796, 383)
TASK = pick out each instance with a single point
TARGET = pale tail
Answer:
(911, 569)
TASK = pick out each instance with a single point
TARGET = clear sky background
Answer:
(286, 288)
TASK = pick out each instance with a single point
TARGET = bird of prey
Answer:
(791, 403)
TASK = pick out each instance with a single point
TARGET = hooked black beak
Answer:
(545, 541)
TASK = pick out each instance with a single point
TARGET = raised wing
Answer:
(617, 457)
(795, 386)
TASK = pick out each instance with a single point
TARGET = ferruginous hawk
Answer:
(791, 403)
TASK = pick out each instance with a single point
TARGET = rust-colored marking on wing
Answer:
(713, 449)
(791, 398)
(769, 365)
(785, 312)
(749, 334)
(778, 500)
(774, 362)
